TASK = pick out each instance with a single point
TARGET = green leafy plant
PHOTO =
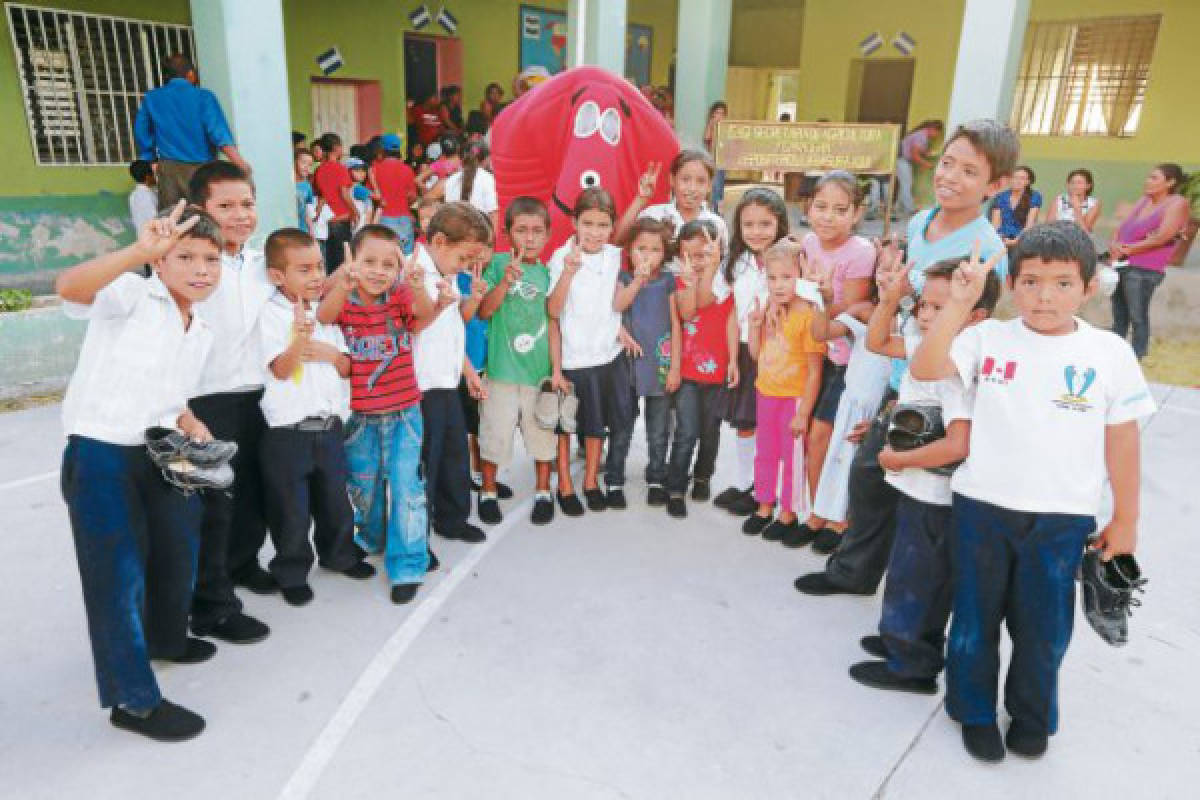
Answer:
(1191, 190)
(15, 299)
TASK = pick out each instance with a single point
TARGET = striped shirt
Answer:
(380, 339)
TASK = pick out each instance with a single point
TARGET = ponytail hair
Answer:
(473, 155)
(1173, 172)
(1021, 212)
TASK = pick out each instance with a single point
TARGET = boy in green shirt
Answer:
(518, 357)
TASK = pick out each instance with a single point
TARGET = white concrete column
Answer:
(702, 57)
(989, 52)
(240, 57)
(596, 34)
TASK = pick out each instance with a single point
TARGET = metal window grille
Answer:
(1084, 77)
(83, 76)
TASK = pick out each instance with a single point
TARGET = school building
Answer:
(1095, 83)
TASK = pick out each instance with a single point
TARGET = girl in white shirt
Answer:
(1077, 204)
(475, 184)
(691, 183)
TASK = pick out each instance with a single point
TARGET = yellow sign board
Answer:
(806, 146)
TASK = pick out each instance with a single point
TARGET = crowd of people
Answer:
(374, 368)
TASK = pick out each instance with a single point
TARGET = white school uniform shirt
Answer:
(588, 323)
(138, 366)
(440, 348)
(143, 206)
(954, 398)
(749, 282)
(483, 190)
(1042, 404)
(669, 212)
(320, 391)
(232, 311)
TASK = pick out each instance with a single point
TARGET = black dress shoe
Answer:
(728, 496)
(744, 505)
(819, 585)
(543, 511)
(595, 499)
(826, 541)
(166, 723)
(1025, 740)
(877, 675)
(466, 532)
(983, 742)
(615, 499)
(256, 579)
(656, 496)
(798, 536)
(570, 505)
(676, 507)
(197, 651)
(237, 628)
(701, 491)
(300, 595)
(489, 511)
(776, 531)
(503, 491)
(755, 524)
(404, 592)
(360, 571)
(874, 646)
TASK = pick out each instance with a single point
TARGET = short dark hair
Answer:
(1084, 173)
(997, 141)
(1061, 240)
(200, 185)
(177, 65)
(460, 222)
(595, 198)
(991, 289)
(331, 140)
(685, 157)
(298, 138)
(663, 230)
(140, 170)
(525, 204)
(372, 231)
(282, 240)
(206, 228)
(1173, 172)
(696, 230)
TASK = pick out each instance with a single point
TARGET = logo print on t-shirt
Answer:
(1078, 381)
(998, 372)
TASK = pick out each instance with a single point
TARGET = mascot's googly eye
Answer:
(589, 179)
(610, 126)
(587, 119)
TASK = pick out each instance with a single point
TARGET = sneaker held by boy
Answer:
(1108, 594)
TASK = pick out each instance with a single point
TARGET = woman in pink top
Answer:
(1146, 240)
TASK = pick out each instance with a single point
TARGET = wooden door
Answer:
(335, 110)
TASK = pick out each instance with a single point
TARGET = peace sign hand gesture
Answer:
(514, 269)
(970, 278)
(649, 180)
(160, 234)
(574, 260)
(479, 286)
(412, 271)
(686, 272)
(348, 272)
(642, 267)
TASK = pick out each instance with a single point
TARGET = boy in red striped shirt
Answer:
(380, 315)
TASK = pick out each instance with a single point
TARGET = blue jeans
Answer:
(916, 596)
(403, 226)
(658, 411)
(1131, 305)
(1019, 568)
(388, 492)
(718, 190)
(696, 419)
(136, 541)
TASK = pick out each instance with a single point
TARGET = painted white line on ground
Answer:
(31, 479)
(330, 739)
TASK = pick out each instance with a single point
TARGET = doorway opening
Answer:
(352, 109)
(880, 90)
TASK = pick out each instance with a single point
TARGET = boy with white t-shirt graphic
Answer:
(1056, 410)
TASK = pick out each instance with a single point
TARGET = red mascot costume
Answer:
(582, 128)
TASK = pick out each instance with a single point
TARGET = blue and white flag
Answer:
(330, 61)
(447, 20)
(420, 16)
(870, 44)
(904, 43)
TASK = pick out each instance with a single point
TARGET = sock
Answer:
(745, 459)
(542, 494)
(487, 496)
(476, 477)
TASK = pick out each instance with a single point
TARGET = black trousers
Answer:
(859, 562)
(446, 459)
(234, 528)
(304, 477)
(340, 234)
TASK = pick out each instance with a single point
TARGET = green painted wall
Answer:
(767, 33)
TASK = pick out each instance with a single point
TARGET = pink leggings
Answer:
(775, 447)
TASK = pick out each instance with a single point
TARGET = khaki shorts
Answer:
(509, 405)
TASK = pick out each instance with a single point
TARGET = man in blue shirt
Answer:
(181, 126)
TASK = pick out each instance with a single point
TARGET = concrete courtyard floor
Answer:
(623, 655)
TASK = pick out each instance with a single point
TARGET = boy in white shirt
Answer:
(227, 401)
(1056, 409)
(136, 537)
(143, 200)
(916, 597)
(306, 400)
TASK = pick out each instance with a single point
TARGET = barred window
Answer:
(83, 76)
(1084, 77)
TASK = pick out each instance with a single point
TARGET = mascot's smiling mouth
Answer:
(561, 205)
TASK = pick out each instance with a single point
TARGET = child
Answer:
(789, 377)
(691, 184)
(361, 193)
(305, 401)
(916, 597)
(444, 161)
(866, 381)
(975, 161)
(707, 354)
(472, 287)
(847, 262)
(474, 183)
(426, 208)
(458, 234)
(379, 315)
(646, 298)
(1056, 409)
(136, 537)
(227, 402)
(143, 200)
(582, 273)
(759, 221)
(1017, 209)
(398, 188)
(302, 162)
(518, 358)
(335, 186)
